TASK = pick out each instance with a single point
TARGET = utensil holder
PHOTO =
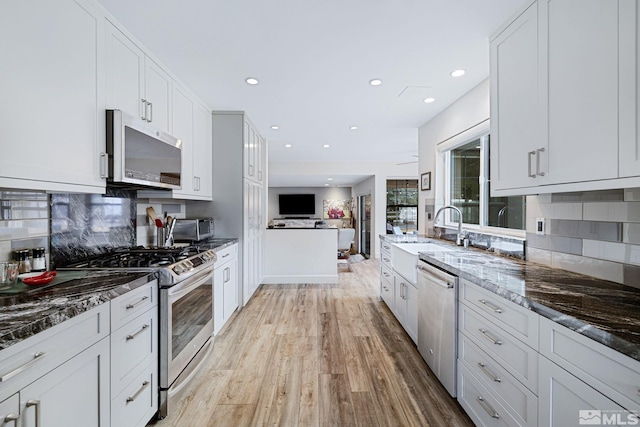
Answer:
(160, 237)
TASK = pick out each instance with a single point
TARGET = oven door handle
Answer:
(176, 292)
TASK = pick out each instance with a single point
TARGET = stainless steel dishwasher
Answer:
(437, 322)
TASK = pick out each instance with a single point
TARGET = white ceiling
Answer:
(314, 59)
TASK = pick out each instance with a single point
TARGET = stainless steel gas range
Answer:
(185, 277)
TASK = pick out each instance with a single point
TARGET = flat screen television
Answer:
(297, 204)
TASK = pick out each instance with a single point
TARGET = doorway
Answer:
(364, 225)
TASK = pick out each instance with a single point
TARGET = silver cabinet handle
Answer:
(385, 274)
(529, 154)
(103, 165)
(35, 403)
(12, 417)
(386, 259)
(143, 116)
(489, 337)
(484, 369)
(385, 288)
(8, 376)
(225, 255)
(487, 407)
(493, 307)
(386, 247)
(226, 274)
(150, 111)
(137, 393)
(130, 337)
(401, 288)
(538, 151)
(130, 306)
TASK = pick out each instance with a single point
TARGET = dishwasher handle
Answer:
(440, 278)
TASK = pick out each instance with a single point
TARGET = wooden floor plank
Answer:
(316, 355)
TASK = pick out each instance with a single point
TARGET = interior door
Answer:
(364, 225)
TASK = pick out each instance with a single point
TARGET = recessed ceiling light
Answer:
(429, 100)
(326, 146)
(275, 127)
(287, 145)
(251, 81)
(326, 185)
(354, 128)
(329, 179)
(375, 82)
(457, 73)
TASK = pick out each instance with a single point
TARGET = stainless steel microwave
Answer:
(141, 155)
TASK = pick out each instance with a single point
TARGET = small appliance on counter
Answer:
(192, 229)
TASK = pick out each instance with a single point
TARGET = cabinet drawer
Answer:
(516, 357)
(480, 404)
(386, 260)
(520, 401)
(385, 248)
(518, 321)
(133, 346)
(137, 403)
(225, 255)
(133, 303)
(24, 362)
(608, 371)
(386, 286)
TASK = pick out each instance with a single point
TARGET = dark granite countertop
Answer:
(220, 243)
(25, 311)
(604, 311)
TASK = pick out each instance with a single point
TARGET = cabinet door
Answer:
(514, 103)
(400, 303)
(629, 157)
(579, 91)
(230, 284)
(52, 90)
(183, 129)
(10, 410)
(157, 92)
(74, 394)
(124, 73)
(564, 400)
(411, 321)
(218, 299)
(202, 160)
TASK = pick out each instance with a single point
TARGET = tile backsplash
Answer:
(595, 233)
(24, 221)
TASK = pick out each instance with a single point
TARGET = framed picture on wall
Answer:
(425, 181)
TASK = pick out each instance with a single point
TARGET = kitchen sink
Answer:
(405, 257)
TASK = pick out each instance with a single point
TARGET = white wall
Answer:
(471, 110)
(375, 176)
(321, 193)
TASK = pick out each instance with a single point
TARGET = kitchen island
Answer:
(301, 255)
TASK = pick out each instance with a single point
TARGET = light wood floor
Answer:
(317, 355)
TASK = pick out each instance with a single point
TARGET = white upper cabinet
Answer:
(579, 69)
(559, 93)
(51, 105)
(202, 158)
(135, 83)
(630, 81)
(514, 102)
(183, 129)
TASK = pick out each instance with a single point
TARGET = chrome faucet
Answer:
(461, 236)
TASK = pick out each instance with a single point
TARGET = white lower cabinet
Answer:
(225, 286)
(59, 377)
(134, 356)
(567, 401)
(406, 305)
(76, 393)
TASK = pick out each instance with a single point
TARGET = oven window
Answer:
(189, 315)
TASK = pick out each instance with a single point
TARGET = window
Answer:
(467, 189)
(402, 204)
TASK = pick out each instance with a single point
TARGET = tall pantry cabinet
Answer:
(239, 189)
